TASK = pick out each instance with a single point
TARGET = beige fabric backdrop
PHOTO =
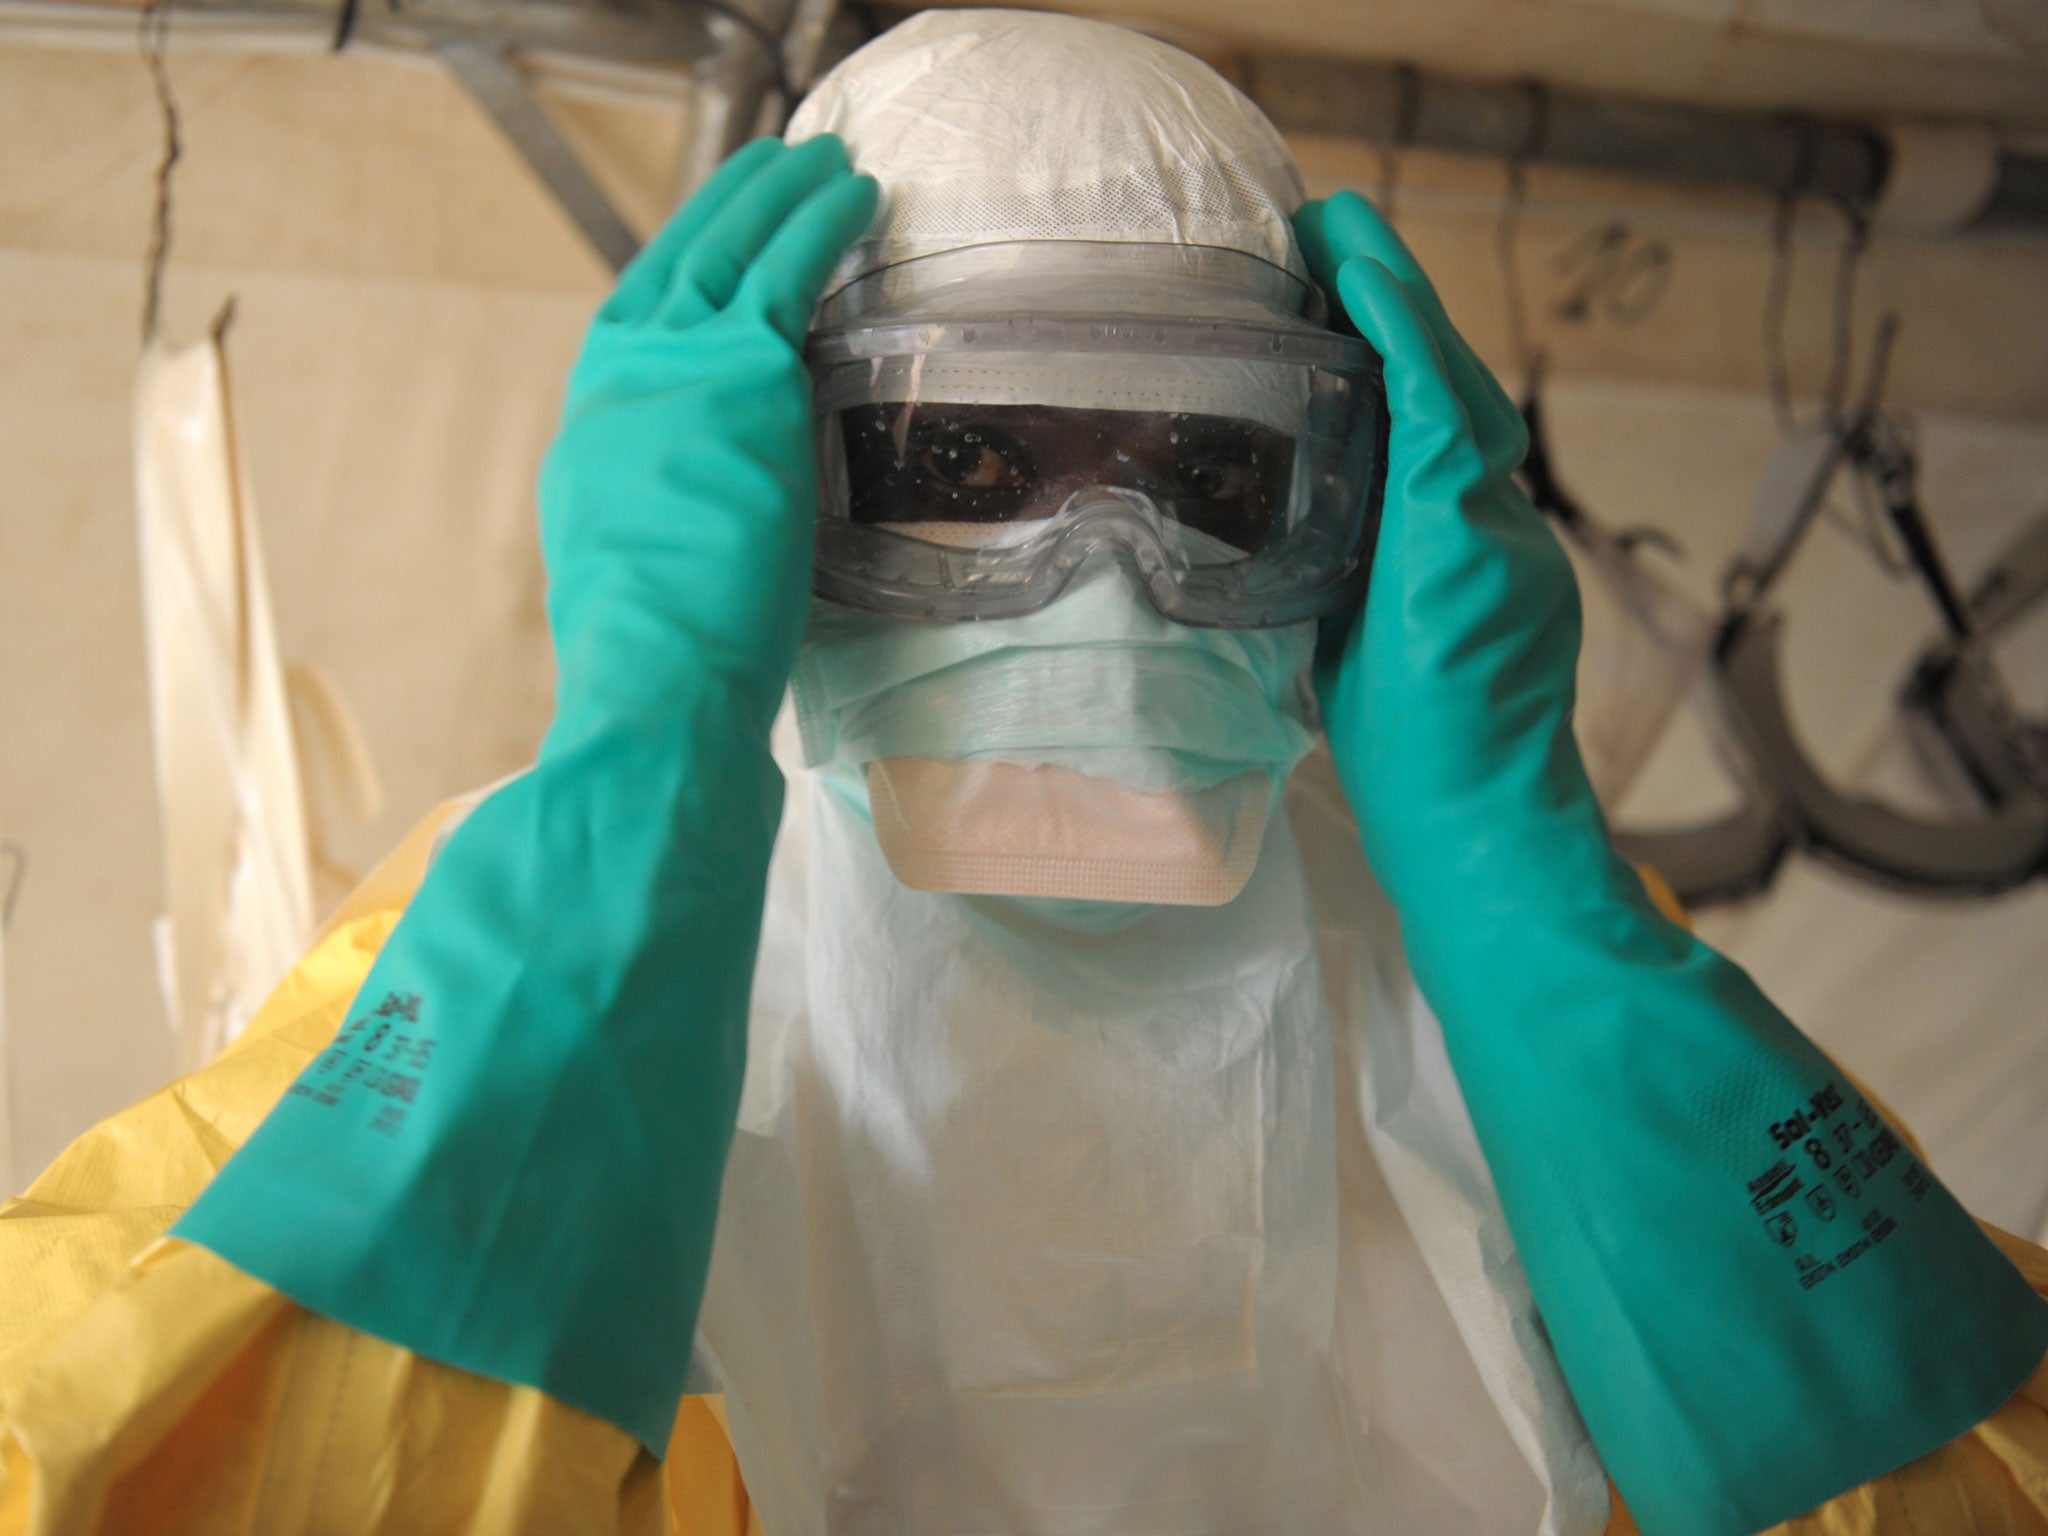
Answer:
(408, 301)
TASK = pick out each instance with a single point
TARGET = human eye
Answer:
(1217, 461)
(966, 456)
(1230, 477)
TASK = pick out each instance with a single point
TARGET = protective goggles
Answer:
(973, 459)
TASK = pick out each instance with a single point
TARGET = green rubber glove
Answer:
(510, 1158)
(1759, 1296)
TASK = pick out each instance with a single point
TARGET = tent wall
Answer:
(408, 302)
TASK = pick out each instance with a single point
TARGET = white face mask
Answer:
(1093, 750)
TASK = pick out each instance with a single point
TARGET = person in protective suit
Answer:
(1182, 1057)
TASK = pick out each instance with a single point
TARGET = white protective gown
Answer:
(1175, 1230)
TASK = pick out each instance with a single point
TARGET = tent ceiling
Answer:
(410, 298)
(1864, 58)
(1979, 60)
(1976, 331)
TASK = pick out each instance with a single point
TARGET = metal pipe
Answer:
(496, 85)
(803, 42)
(737, 93)
(1772, 154)
(1382, 104)
(2019, 198)
(1541, 126)
(648, 34)
(726, 96)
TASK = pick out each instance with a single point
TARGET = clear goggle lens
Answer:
(909, 465)
(1236, 468)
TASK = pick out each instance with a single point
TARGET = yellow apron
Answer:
(147, 1385)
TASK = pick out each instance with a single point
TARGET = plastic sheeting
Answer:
(404, 322)
(237, 876)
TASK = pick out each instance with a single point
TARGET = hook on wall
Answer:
(1535, 127)
(1407, 112)
(1856, 228)
(1778, 288)
(1848, 260)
